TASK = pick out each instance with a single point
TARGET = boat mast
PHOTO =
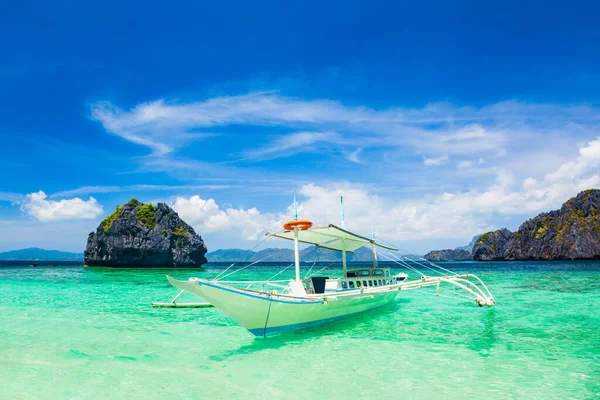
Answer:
(344, 257)
(296, 254)
(342, 207)
(343, 241)
(296, 251)
(373, 246)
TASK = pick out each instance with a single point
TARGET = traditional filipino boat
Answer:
(275, 306)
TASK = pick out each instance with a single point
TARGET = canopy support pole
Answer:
(374, 254)
(344, 261)
(296, 254)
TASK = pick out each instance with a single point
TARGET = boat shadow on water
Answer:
(365, 323)
(485, 342)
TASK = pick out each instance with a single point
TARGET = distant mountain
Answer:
(313, 253)
(273, 254)
(461, 253)
(309, 254)
(470, 246)
(457, 254)
(230, 255)
(37, 254)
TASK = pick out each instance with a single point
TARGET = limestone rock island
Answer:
(573, 232)
(141, 235)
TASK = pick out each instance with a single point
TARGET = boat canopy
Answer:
(330, 237)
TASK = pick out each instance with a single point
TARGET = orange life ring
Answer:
(300, 224)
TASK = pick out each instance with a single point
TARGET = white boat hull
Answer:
(264, 314)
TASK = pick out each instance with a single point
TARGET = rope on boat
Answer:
(269, 280)
(249, 265)
(311, 267)
(222, 272)
(268, 315)
(227, 269)
(423, 265)
(394, 258)
(325, 267)
(420, 258)
(401, 263)
(431, 263)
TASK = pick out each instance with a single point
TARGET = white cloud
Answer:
(431, 217)
(394, 136)
(589, 159)
(354, 156)
(10, 197)
(392, 220)
(435, 161)
(207, 216)
(135, 188)
(458, 215)
(526, 150)
(36, 205)
(164, 125)
(155, 125)
(297, 142)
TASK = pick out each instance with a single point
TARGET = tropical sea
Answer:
(67, 332)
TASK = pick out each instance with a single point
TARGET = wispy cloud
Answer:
(297, 142)
(153, 125)
(265, 126)
(11, 197)
(441, 128)
(136, 188)
(354, 156)
(436, 161)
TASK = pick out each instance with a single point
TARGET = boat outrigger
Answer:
(274, 306)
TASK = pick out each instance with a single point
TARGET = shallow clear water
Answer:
(69, 332)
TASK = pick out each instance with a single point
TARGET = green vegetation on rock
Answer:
(485, 238)
(108, 221)
(518, 236)
(164, 232)
(180, 231)
(541, 231)
(146, 214)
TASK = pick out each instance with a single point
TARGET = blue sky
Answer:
(435, 120)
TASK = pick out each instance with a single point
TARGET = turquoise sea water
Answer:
(70, 332)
